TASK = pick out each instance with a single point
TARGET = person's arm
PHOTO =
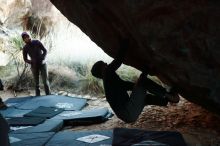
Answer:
(43, 49)
(25, 56)
(116, 63)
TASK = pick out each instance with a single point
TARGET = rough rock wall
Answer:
(13, 11)
(177, 40)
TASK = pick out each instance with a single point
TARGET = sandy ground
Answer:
(198, 126)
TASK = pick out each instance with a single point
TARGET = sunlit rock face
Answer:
(177, 40)
(18, 15)
(12, 12)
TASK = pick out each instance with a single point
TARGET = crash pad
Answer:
(30, 139)
(84, 117)
(123, 136)
(81, 138)
(49, 125)
(44, 112)
(64, 102)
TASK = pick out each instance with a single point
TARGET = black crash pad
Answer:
(44, 112)
(122, 136)
(25, 121)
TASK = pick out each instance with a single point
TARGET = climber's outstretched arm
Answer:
(116, 63)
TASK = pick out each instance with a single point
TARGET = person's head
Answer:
(98, 69)
(26, 38)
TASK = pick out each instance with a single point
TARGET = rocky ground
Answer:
(198, 126)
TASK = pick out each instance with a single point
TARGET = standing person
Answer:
(126, 107)
(4, 127)
(2, 104)
(4, 130)
(37, 53)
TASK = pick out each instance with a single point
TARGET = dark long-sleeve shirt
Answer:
(116, 88)
(36, 51)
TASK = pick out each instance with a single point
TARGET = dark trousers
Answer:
(37, 71)
(156, 93)
(139, 98)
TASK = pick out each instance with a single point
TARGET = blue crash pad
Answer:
(49, 125)
(44, 112)
(123, 136)
(84, 117)
(13, 112)
(33, 139)
(69, 138)
(64, 102)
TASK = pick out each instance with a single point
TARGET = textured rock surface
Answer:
(12, 12)
(177, 40)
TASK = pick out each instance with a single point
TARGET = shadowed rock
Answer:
(177, 40)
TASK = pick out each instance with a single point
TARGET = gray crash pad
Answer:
(49, 125)
(70, 138)
(64, 102)
(84, 117)
(13, 112)
(17, 101)
(30, 139)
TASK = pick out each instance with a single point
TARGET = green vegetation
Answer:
(76, 78)
(16, 64)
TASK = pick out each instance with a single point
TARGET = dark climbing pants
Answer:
(37, 71)
(156, 93)
(139, 98)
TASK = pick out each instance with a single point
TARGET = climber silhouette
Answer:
(144, 91)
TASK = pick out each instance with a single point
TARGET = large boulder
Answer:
(176, 40)
(13, 11)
